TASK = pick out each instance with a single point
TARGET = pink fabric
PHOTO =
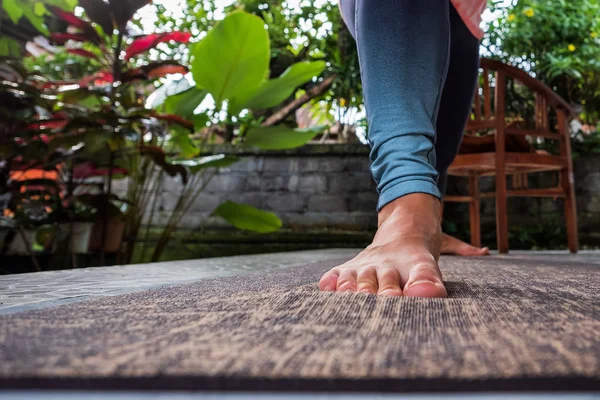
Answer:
(470, 11)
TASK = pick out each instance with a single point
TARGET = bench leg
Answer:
(501, 212)
(568, 182)
(571, 212)
(501, 209)
(474, 211)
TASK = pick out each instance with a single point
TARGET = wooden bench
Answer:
(504, 150)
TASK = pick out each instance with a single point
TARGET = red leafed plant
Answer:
(108, 127)
(147, 42)
(107, 35)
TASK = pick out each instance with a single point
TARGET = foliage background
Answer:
(558, 41)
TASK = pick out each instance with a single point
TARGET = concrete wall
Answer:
(318, 190)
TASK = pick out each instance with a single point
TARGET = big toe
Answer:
(425, 280)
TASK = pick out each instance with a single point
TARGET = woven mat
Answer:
(508, 325)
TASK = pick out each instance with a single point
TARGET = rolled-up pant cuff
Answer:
(404, 188)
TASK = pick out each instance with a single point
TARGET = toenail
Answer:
(420, 282)
(389, 292)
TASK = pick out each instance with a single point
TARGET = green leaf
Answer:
(233, 58)
(44, 234)
(36, 20)
(66, 142)
(200, 121)
(216, 161)
(167, 90)
(34, 11)
(77, 96)
(96, 141)
(9, 47)
(39, 9)
(246, 217)
(14, 10)
(181, 138)
(184, 104)
(274, 92)
(280, 137)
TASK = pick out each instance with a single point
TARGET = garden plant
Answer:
(100, 128)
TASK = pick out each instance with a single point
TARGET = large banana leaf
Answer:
(233, 59)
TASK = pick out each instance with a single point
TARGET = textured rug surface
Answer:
(509, 324)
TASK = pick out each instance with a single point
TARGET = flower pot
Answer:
(114, 235)
(20, 247)
(82, 234)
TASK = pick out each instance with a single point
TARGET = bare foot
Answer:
(402, 260)
(456, 247)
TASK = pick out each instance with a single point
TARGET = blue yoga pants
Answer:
(419, 66)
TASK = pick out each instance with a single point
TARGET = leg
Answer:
(501, 191)
(475, 211)
(501, 209)
(571, 215)
(457, 96)
(455, 109)
(403, 51)
(568, 183)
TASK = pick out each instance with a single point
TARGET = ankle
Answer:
(416, 204)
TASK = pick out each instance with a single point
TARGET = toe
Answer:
(347, 280)
(454, 246)
(426, 289)
(328, 282)
(425, 280)
(469, 250)
(388, 280)
(366, 282)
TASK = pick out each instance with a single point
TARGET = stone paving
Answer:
(42, 289)
(23, 291)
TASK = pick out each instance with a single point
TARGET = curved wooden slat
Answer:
(474, 125)
(477, 104)
(550, 192)
(485, 163)
(487, 98)
(532, 160)
(529, 81)
(533, 133)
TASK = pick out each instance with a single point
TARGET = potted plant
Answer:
(84, 216)
(32, 233)
(110, 228)
(35, 207)
(7, 226)
(103, 115)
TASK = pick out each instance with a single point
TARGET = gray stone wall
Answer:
(329, 188)
(587, 175)
(318, 187)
